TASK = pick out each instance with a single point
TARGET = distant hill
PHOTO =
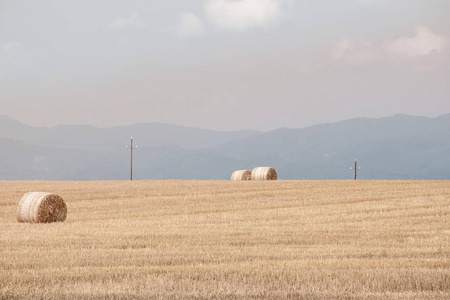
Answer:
(398, 147)
(87, 137)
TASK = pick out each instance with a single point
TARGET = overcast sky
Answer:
(222, 64)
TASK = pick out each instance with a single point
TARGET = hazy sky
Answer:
(222, 64)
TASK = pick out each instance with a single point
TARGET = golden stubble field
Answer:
(230, 240)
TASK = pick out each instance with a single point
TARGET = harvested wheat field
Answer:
(230, 240)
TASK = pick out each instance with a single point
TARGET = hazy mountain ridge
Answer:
(398, 147)
(148, 134)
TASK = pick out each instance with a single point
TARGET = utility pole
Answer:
(131, 158)
(356, 169)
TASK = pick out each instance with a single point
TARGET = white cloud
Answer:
(421, 52)
(11, 48)
(355, 52)
(423, 43)
(241, 15)
(188, 26)
(130, 22)
(344, 46)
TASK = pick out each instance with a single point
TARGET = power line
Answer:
(67, 143)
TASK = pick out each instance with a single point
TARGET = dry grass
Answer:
(230, 240)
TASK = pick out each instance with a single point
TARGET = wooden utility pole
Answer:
(131, 157)
(355, 168)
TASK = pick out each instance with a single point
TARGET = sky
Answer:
(222, 64)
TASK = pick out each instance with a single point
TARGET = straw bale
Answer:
(264, 173)
(241, 175)
(41, 207)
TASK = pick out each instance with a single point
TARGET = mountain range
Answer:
(397, 147)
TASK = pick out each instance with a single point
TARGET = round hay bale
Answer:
(264, 173)
(41, 207)
(241, 175)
